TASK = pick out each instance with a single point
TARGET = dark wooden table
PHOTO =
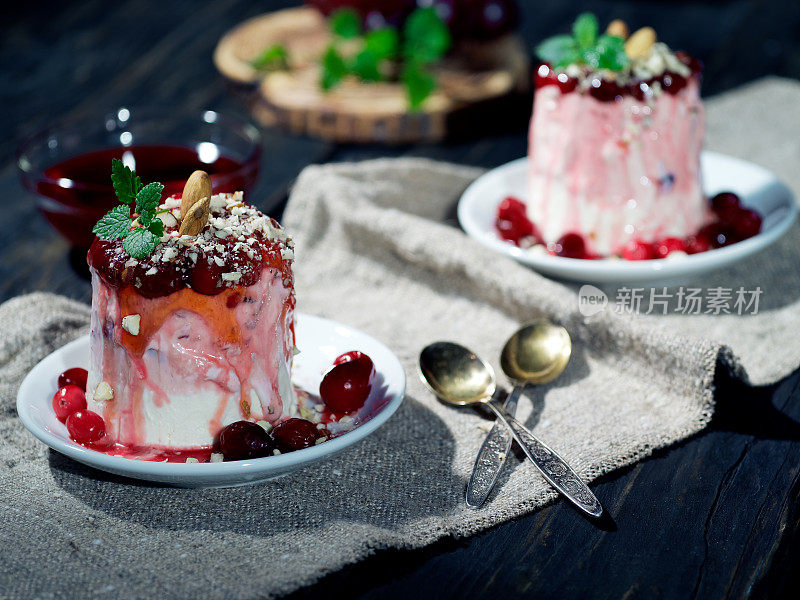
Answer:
(716, 516)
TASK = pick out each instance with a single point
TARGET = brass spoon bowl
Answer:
(460, 378)
(536, 353)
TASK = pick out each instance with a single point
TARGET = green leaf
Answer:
(273, 58)
(365, 65)
(147, 201)
(345, 22)
(140, 242)
(126, 183)
(559, 50)
(611, 52)
(156, 228)
(383, 43)
(115, 224)
(333, 69)
(585, 30)
(427, 38)
(419, 83)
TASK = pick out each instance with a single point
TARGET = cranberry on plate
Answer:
(346, 386)
(513, 224)
(68, 399)
(74, 376)
(85, 426)
(570, 245)
(724, 203)
(669, 245)
(243, 440)
(638, 250)
(295, 434)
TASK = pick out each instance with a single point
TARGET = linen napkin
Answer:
(374, 251)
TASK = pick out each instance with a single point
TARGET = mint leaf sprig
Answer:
(424, 40)
(272, 58)
(585, 47)
(117, 223)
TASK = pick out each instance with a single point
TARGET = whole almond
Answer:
(196, 217)
(640, 42)
(198, 186)
(618, 28)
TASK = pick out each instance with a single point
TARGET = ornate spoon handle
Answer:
(552, 466)
(492, 456)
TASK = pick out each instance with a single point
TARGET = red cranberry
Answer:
(669, 245)
(67, 400)
(243, 440)
(85, 426)
(605, 90)
(294, 434)
(672, 82)
(745, 223)
(547, 76)
(73, 376)
(638, 250)
(514, 225)
(570, 245)
(718, 235)
(164, 281)
(206, 277)
(346, 386)
(724, 203)
(103, 256)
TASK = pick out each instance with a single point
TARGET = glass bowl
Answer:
(68, 165)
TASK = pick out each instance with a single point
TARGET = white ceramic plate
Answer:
(320, 342)
(758, 189)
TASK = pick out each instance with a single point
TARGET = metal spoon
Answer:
(460, 378)
(542, 350)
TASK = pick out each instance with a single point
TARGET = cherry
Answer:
(67, 400)
(605, 90)
(85, 426)
(294, 434)
(243, 440)
(514, 225)
(570, 245)
(724, 203)
(346, 386)
(638, 250)
(355, 356)
(745, 223)
(668, 245)
(73, 376)
(206, 277)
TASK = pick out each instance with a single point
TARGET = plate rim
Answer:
(242, 471)
(607, 271)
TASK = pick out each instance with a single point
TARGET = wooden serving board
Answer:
(470, 78)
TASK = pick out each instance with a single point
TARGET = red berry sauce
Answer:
(733, 223)
(202, 261)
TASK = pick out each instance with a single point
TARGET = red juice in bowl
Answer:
(82, 191)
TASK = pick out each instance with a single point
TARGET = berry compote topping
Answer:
(669, 245)
(85, 426)
(243, 440)
(295, 434)
(236, 245)
(67, 400)
(513, 224)
(73, 376)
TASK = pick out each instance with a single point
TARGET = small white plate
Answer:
(320, 342)
(758, 189)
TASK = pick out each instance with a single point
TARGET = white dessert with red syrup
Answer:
(196, 335)
(614, 152)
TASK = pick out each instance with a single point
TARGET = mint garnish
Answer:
(425, 39)
(273, 58)
(584, 47)
(118, 222)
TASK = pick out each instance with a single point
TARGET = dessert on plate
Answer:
(614, 152)
(192, 335)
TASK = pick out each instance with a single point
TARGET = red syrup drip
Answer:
(89, 194)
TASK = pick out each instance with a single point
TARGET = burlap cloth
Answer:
(372, 253)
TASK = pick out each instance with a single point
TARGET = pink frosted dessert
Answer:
(195, 336)
(614, 144)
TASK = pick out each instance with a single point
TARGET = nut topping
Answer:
(640, 42)
(195, 203)
(618, 28)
